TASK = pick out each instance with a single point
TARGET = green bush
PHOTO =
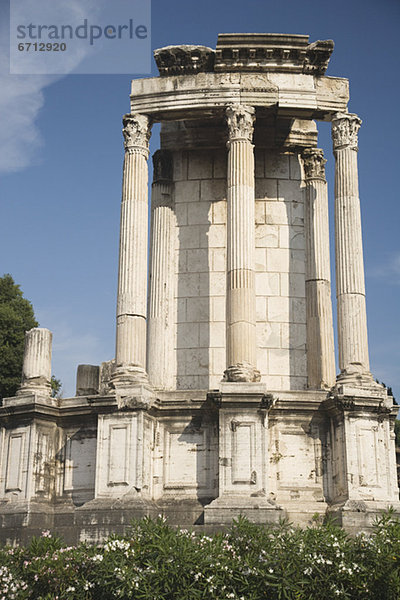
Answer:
(153, 561)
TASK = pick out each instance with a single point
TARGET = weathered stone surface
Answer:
(320, 345)
(350, 284)
(296, 95)
(241, 317)
(36, 369)
(271, 52)
(105, 376)
(161, 313)
(184, 60)
(239, 278)
(132, 274)
(87, 380)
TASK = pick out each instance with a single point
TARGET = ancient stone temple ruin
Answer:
(224, 397)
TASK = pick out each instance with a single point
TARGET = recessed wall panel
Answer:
(14, 462)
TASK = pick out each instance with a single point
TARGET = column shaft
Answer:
(241, 319)
(160, 335)
(320, 343)
(350, 286)
(132, 273)
(36, 370)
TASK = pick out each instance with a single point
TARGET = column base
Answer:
(101, 517)
(36, 385)
(22, 520)
(223, 510)
(242, 372)
(128, 375)
(135, 396)
(360, 515)
(305, 513)
(131, 388)
(34, 397)
(359, 384)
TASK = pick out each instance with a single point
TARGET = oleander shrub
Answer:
(154, 561)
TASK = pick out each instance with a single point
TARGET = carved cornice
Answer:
(267, 401)
(356, 405)
(271, 52)
(134, 402)
(344, 403)
(317, 57)
(340, 404)
(267, 52)
(384, 412)
(240, 120)
(216, 398)
(345, 128)
(184, 60)
(136, 131)
(162, 166)
(314, 163)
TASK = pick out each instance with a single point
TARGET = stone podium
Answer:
(223, 397)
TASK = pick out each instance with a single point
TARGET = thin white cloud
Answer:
(22, 98)
(389, 270)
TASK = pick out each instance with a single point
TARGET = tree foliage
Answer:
(16, 317)
(397, 432)
(56, 387)
(154, 561)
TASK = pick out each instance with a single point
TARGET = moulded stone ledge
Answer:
(208, 94)
(223, 510)
(360, 515)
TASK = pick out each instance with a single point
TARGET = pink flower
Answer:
(46, 533)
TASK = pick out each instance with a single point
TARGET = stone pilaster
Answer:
(160, 352)
(241, 319)
(132, 273)
(350, 286)
(363, 478)
(36, 370)
(124, 444)
(244, 459)
(320, 344)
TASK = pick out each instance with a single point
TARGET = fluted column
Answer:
(241, 318)
(36, 369)
(320, 344)
(132, 273)
(350, 285)
(161, 294)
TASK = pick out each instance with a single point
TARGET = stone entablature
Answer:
(270, 132)
(254, 52)
(184, 60)
(272, 52)
(206, 94)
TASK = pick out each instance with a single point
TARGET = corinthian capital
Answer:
(240, 120)
(314, 163)
(136, 130)
(345, 128)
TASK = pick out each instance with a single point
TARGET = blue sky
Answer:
(61, 156)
